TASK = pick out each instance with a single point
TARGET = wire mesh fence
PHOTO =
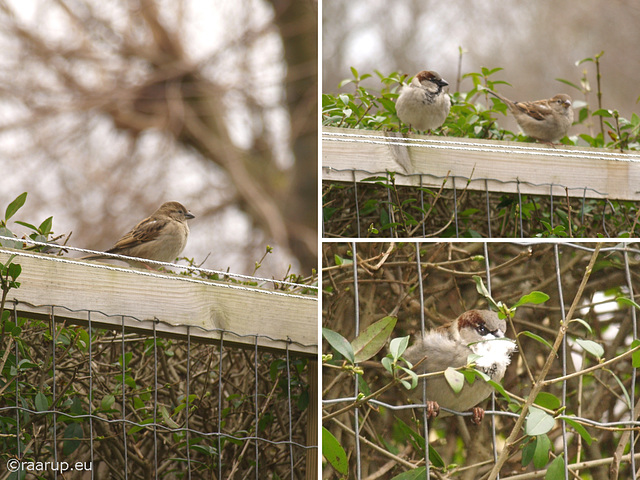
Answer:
(376, 206)
(379, 185)
(84, 394)
(584, 423)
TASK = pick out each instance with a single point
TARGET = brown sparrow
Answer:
(422, 104)
(544, 120)
(478, 332)
(160, 237)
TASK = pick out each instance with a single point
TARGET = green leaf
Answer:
(333, 452)
(500, 389)
(14, 270)
(387, 363)
(567, 82)
(71, 441)
(28, 225)
(584, 324)
(435, 458)
(42, 404)
(635, 356)
(602, 112)
(541, 452)
(622, 387)
(534, 298)
(167, 418)
(580, 429)
(538, 422)
(15, 206)
(414, 378)
(592, 347)
(482, 290)
(455, 379)
(548, 400)
(371, 340)
(5, 232)
(471, 373)
(627, 301)
(527, 453)
(537, 338)
(397, 346)
(556, 469)
(339, 343)
(405, 432)
(412, 474)
(107, 402)
(45, 227)
(341, 261)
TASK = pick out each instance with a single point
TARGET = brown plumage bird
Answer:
(544, 120)
(160, 237)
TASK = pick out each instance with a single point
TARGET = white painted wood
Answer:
(172, 302)
(498, 166)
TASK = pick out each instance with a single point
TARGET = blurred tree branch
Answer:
(135, 67)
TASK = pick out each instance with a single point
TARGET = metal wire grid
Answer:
(632, 424)
(268, 453)
(425, 180)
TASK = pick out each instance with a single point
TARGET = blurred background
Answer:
(535, 43)
(109, 109)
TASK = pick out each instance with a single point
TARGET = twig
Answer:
(590, 369)
(622, 443)
(574, 466)
(378, 449)
(510, 443)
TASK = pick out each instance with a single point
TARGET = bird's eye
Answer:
(482, 330)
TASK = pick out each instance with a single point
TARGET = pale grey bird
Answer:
(479, 332)
(423, 104)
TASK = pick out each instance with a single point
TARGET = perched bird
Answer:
(478, 332)
(544, 120)
(160, 237)
(422, 104)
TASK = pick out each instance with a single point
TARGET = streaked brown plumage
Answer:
(161, 236)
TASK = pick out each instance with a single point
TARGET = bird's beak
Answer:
(189, 215)
(443, 83)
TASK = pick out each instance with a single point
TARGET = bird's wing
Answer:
(146, 231)
(538, 111)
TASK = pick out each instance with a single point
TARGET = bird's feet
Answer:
(433, 409)
(478, 415)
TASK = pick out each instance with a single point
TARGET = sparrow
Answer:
(160, 237)
(479, 332)
(544, 120)
(422, 104)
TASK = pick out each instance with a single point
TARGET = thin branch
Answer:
(537, 387)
